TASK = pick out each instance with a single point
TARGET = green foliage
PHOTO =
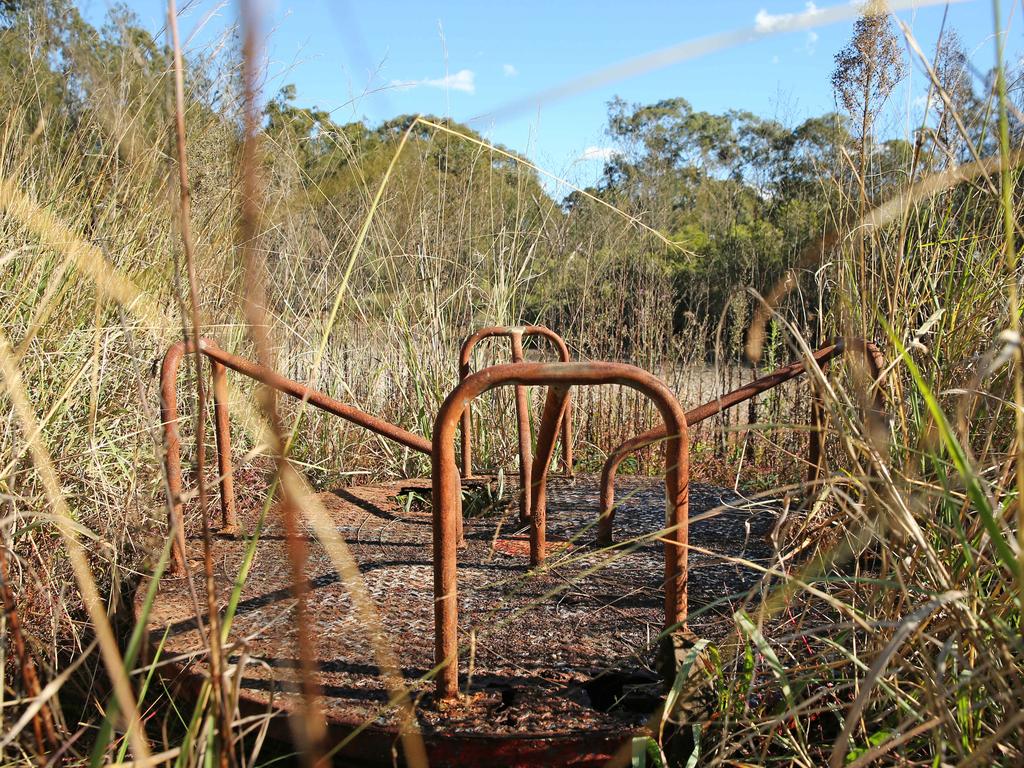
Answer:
(645, 753)
(338, 163)
(736, 196)
(485, 498)
(466, 235)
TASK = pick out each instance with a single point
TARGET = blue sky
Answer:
(472, 60)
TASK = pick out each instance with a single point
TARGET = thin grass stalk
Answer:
(131, 653)
(222, 712)
(114, 663)
(308, 726)
(398, 694)
(1011, 260)
(877, 218)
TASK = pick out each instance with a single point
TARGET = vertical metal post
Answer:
(229, 520)
(816, 438)
(466, 352)
(447, 525)
(874, 418)
(447, 497)
(554, 412)
(525, 435)
(172, 453)
(467, 419)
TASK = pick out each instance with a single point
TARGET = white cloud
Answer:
(463, 80)
(509, 70)
(599, 153)
(812, 42)
(765, 22)
(775, 59)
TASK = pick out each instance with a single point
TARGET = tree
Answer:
(736, 196)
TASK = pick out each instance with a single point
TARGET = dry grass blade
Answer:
(94, 604)
(221, 709)
(906, 627)
(161, 758)
(691, 49)
(54, 235)
(348, 568)
(1011, 260)
(356, 256)
(911, 733)
(308, 725)
(874, 220)
(39, 704)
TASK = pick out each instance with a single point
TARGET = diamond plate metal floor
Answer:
(559, 662)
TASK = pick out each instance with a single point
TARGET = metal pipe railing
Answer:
(876, 366)
(447, 496)
(515, 335)
(220, 361)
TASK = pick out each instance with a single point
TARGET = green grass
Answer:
(896, 641)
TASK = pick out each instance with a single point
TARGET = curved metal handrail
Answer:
(876, 365)
(515, 334)
(220, 361)
(447, 497)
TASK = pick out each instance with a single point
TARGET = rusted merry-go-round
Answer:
(523, 637)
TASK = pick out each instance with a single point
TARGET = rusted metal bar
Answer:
(512, 333)
(876, 364)
(873, 394)
(172, 452)
(816, 439)
(42, 722)
(447, 497)
(220, 361)
(554, 411)
(525, 433)
(229, 520)
(319, 399)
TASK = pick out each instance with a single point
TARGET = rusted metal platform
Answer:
(558, 662)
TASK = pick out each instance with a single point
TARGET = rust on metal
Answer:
(324, 402)
(43, 728)
(554, 411)
(554, 646)
(876, 365)
(525, 434)
(447, 498)
(515, 335)
(220, 361)
(172, 452)
(222, 428)
(534, 690)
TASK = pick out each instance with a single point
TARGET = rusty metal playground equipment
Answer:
(446, 523)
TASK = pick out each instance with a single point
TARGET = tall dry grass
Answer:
(898, 638)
